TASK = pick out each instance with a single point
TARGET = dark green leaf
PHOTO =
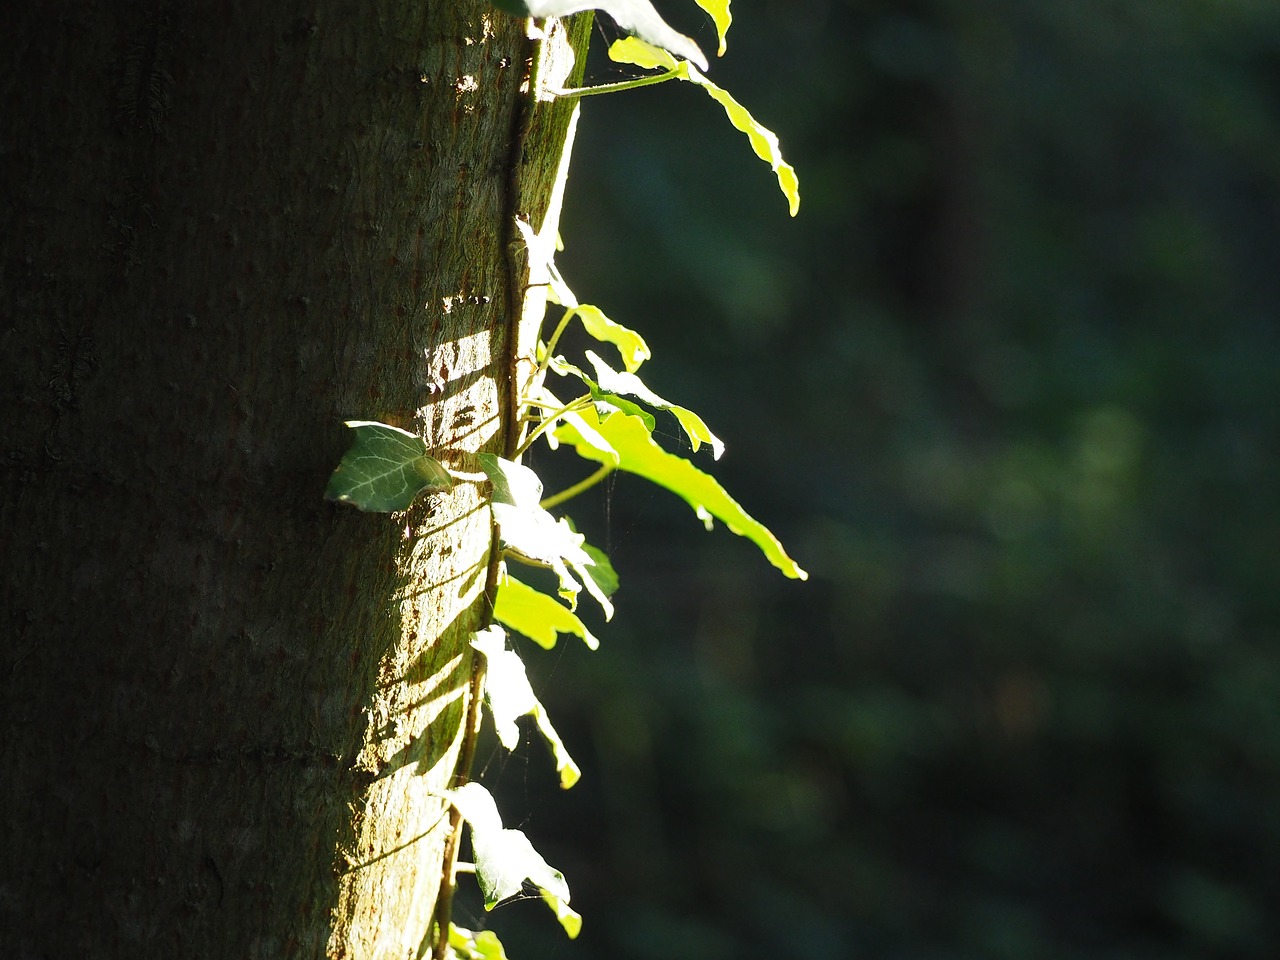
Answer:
(601, 570)
(385, 469)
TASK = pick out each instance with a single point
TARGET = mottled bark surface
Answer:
(228, 706)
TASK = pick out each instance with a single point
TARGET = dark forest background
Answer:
(1007, 388)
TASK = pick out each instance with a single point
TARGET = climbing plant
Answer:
(597, 408)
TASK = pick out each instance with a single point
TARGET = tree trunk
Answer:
(229, 707)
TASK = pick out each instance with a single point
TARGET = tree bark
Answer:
(229, 707)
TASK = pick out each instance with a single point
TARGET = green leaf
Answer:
(763, 141)
(506, 685)
(637, 453)
(549, 401)
(385, 469)
(530, 532)
(513, 483)
(588, 434)
(509, 696)
(718, 10)
(634, 16)
(539, 617)
(534, 535)
(503, 862)
(506, 860)
(475, 945)
(607, 402)
(569, 919)
(631, 346)
(613, 401)
(611, 381)
(601, 570)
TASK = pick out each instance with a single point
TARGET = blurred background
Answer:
(1007, 388)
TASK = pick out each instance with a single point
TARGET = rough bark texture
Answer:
(228, 706)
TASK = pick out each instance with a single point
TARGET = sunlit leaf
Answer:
(719, 12)
(611, 381)
(634, 16)
(506, 686)
(509, 696)
(605, 398)
(537, 616)
(631, 346)
(549, 402)
(635, 51)
(385, 469)
(638, 453)
(569, 918)
(477, 807)
(587, 433)
(763, 140)
(505, 859)
(530, 532)
(475, 944)
(513, 483)
(607, 402)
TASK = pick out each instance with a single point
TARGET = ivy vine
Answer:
(606, 415)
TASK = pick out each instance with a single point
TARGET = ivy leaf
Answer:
(385, 469)
(530, 532)
(763, 140)
(534, 535)
(569, 919)
(630, 344)
(509, 696)
(544, 398)
(611, 381)
(506, 860)
(513, 483)
(475, 944)
(588, 434)
(607, 402)
(634, 16)
(637, 453)
(604, 398)
(601, 570)
(718, 10)
(539, 617)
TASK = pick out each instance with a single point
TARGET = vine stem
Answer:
(549, 420)
(582, 486)
(527, 95)
(522, 116)
(617, 87)
(569, 314)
